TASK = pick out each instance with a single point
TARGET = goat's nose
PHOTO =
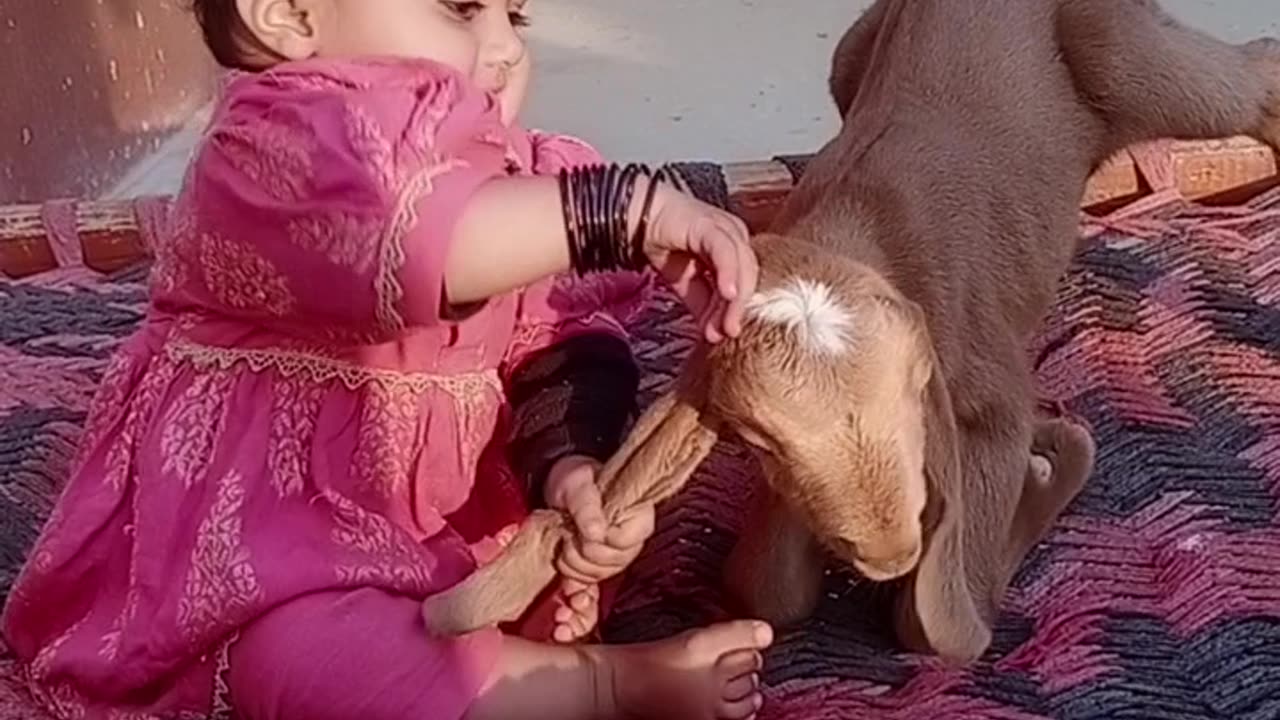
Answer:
(886, 561)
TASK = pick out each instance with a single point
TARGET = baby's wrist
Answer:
(608, 214)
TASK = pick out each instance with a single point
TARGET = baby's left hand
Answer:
(598, 552)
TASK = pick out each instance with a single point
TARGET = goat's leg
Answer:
(1062, 454)
(501, 591)
(1149, 76)
(775, 569)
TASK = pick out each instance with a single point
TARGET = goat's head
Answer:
(830, 380)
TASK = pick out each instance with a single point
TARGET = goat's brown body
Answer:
(971, 127)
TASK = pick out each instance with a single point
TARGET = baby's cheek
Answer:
(513, 94)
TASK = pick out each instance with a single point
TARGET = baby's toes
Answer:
(736, 672)
(741, 688)
(576, 619)
(740, 709)
(739, 663)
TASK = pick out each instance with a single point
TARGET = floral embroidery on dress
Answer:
(405, 218)
(344, 239)
(387, 555)
(107, 406)
(114, 637)
(42, 554)
(276, 156)
(387, 442)
(193, 425)
(220, 704)
(172, 250)
(110, 647)
(427, 117)
(142, 408)
(242, 279)
(60, 698)
(371, 145)
(476, 417)
(221, 584)
(295, 405)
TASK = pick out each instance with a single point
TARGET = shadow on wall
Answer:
(92, 87)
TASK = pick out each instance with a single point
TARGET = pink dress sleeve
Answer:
(560, 308)
(570, 373)
(326, 195)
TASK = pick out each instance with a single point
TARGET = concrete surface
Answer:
(727, 79)
(720, 80)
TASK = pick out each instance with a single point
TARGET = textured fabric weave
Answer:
(1157, 596)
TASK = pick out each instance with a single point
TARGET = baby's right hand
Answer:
(705, 254)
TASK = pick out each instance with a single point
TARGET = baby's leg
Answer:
(1151, 77)
(365, 654)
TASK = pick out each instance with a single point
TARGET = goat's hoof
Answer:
(1041, 471)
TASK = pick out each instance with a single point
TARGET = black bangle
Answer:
(570, 220)
(622, 216)
(596, 204)
(642, 228)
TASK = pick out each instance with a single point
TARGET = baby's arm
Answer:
(574, 387)
(573, 398)
(573, 379)
(362, 197)
(368, 198)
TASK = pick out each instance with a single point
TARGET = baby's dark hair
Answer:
(232, 43)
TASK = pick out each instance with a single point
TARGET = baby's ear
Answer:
(292, 29)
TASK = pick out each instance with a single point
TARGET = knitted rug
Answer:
(1157, 596)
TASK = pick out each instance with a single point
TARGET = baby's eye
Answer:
(464, 10)
(519, 19)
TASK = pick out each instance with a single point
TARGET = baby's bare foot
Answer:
(578, 613)
(706, 674)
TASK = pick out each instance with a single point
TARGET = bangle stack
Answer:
(596, 202)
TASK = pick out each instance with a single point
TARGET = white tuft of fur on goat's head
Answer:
(811, 310)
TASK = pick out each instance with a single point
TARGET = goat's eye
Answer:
(756, 439)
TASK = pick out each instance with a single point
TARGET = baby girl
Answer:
(382, 326)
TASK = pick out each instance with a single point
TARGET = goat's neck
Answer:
(851, 234)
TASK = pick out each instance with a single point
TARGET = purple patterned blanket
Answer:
(1157, 597)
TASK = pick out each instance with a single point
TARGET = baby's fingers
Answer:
(632, 529)
(591, 562)
(577, 616)
(736, 271)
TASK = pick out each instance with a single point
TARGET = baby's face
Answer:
(478, 37)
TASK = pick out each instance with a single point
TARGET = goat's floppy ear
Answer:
(936, 611)
(666, 445)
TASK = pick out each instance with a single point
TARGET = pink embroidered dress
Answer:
(270, 476)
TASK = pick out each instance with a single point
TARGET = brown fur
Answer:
(941, 218)
(970, 129)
